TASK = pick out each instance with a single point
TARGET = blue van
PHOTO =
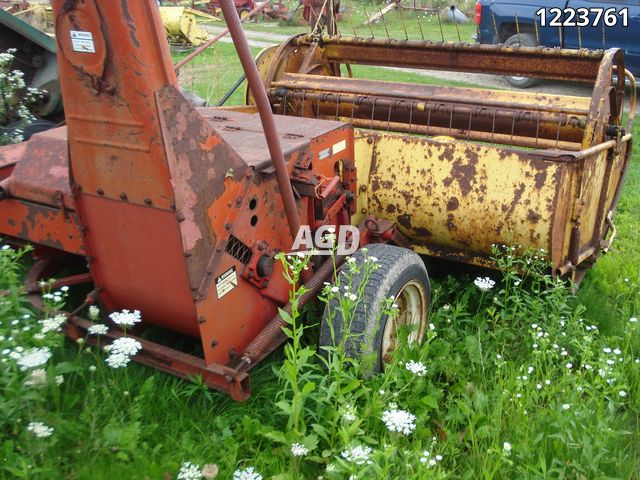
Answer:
(556, 24)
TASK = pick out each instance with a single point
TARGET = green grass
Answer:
(406, 23)
(137, 423)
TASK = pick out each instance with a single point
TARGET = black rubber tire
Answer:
(527, 40)
(398, 267)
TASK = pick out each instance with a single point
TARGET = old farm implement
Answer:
(180, 211)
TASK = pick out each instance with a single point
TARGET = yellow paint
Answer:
(458, 198)
(181, 26)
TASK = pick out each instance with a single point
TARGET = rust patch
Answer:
(533, 216)
(463, 173)
(405, 220)
(450, 224)
(453, 204)
(211, 142)
(540, 178)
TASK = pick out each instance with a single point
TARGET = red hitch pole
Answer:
(266, 115)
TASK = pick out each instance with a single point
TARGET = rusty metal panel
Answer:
(41, 224)
(458, 198)
(576, 65)
(136, 258)
(42, 173)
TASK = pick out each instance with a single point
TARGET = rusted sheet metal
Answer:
(41, 224)
(42, 173)
(455, 199)
(459, 197)
(543, 62)
(204, 170)
(136, 260)
(563, 105)
(114, 132)
(9, 157)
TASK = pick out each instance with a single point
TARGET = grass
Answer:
(484, 404)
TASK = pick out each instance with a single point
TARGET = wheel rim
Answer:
(412, 308)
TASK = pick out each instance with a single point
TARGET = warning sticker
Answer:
(340, 146)
(226, 282)
(82, 41)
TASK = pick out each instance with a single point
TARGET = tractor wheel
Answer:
(401, 275)
(527, 40)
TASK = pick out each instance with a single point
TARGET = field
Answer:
(519, 379)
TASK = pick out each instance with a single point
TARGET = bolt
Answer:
(123, 196)
(265, 283)
(148, 201)
(227, 226)
(238, 201)
(201, 319)
(187, 254)
(179, 217)
(100, 191)
(228, 378)
(214, 342)
(364, 210)
(370, 140)
(250, 274)
(363, 188)
(232, 353)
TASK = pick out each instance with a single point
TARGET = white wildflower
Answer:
(34, 357)
(417, 368)
(539, 386)
(622, 393)
(59, 379)
(617, 351)
(118, 360)
(350, 414)
(299, 450)
(98, 329)
(189, 471)
(247, 474)
(566, 406)
(53, 324)
(36, 378)
(126, 346)
(606, 350)
(40, 430)
(353, 297)
(94, 312)
(485, 284)
(506, 446)
(126, 318)
(335, 289)
(569, 365)
(633, 319)
(358, 454)
(399, 421)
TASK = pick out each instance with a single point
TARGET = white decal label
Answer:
(82, 42)
(226, 282)
(324, 153)
(340, 146)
